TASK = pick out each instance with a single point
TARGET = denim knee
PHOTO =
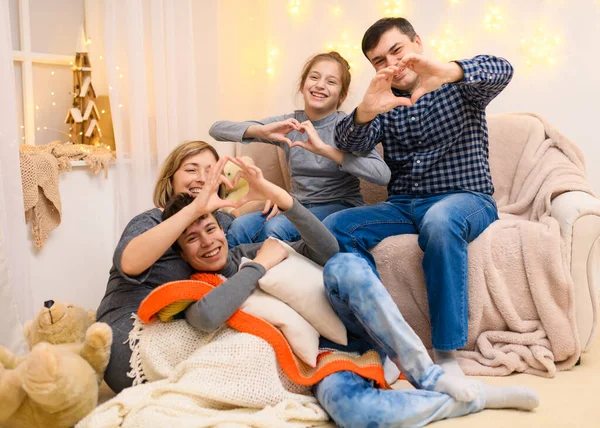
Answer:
(275, 228)
(438, 229)
(333, 223)
(346, 272)
(350, 400)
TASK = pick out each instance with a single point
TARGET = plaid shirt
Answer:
(440, 144)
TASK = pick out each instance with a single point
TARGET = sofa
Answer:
(532, 275)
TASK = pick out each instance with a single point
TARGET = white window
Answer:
(44, 38)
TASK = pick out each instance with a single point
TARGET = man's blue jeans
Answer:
(254, 227)
(369, 313)
(446, 223)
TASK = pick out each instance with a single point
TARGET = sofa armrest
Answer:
(578, 214)
(569, 206)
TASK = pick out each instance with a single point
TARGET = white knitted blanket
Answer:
(195, 379)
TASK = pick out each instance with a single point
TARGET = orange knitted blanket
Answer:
(367, 365)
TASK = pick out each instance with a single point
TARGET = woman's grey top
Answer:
(211, 312)
(124, 293)
(316, 179)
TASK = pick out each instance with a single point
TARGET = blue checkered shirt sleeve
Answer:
(352, 137)
(485, 77)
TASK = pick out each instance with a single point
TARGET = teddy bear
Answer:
(56, 384)
(241, 187)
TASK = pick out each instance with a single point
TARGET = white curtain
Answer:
(151, 74)
(15, 289)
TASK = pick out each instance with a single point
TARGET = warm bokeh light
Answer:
(347, 47)
(493, 19)
(541, 48)
(294, 6)
(273, 52)
(448, 47)
(393, 8)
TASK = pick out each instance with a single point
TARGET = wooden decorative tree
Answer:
(83, 116)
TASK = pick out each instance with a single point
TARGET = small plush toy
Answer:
(56, 384)
(242, 187)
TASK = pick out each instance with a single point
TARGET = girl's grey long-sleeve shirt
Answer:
(316, 179)
(215, 308)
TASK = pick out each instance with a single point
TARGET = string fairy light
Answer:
(273, 52)
(393, 8)
(294, 6)
(541, 48)
(493, 19)
(337, 10)
(346, 48)
(447, 47)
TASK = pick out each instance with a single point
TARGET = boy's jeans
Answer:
(446, 223)
(368, 312)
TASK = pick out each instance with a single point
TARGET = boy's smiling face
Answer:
(203, 245)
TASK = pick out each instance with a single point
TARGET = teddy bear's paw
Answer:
(6, 357)
(98, 335)
(42, 364)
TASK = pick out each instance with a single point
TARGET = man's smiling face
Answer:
(390, 49)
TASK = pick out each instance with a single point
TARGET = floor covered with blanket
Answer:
(569, 399)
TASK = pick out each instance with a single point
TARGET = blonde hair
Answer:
(344, 71)
(163, 191)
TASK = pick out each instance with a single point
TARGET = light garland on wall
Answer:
(294, 7)
(448, 47)
(346, 49)
(493, 19)
(273, 52)
(541, 48)
(393, 8)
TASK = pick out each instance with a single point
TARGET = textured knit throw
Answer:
(40, 166)
(228, 378)
(169, 298)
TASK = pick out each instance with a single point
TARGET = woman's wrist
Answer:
(194, 211)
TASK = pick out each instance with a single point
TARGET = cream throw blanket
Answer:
(521, 309)
(224, 379)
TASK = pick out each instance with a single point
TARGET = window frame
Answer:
(27, 58)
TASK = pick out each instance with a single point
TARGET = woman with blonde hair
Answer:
(143, 259)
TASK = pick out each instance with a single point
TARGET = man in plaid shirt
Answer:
(430, 117)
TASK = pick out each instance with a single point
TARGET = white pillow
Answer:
(298, 281)
(302, 337)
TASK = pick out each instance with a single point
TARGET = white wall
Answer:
(73, 266)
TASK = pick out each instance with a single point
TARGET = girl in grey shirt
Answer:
(324, 179)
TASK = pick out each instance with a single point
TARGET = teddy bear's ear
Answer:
(92, 316)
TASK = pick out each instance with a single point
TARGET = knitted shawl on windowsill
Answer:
(40, 166)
